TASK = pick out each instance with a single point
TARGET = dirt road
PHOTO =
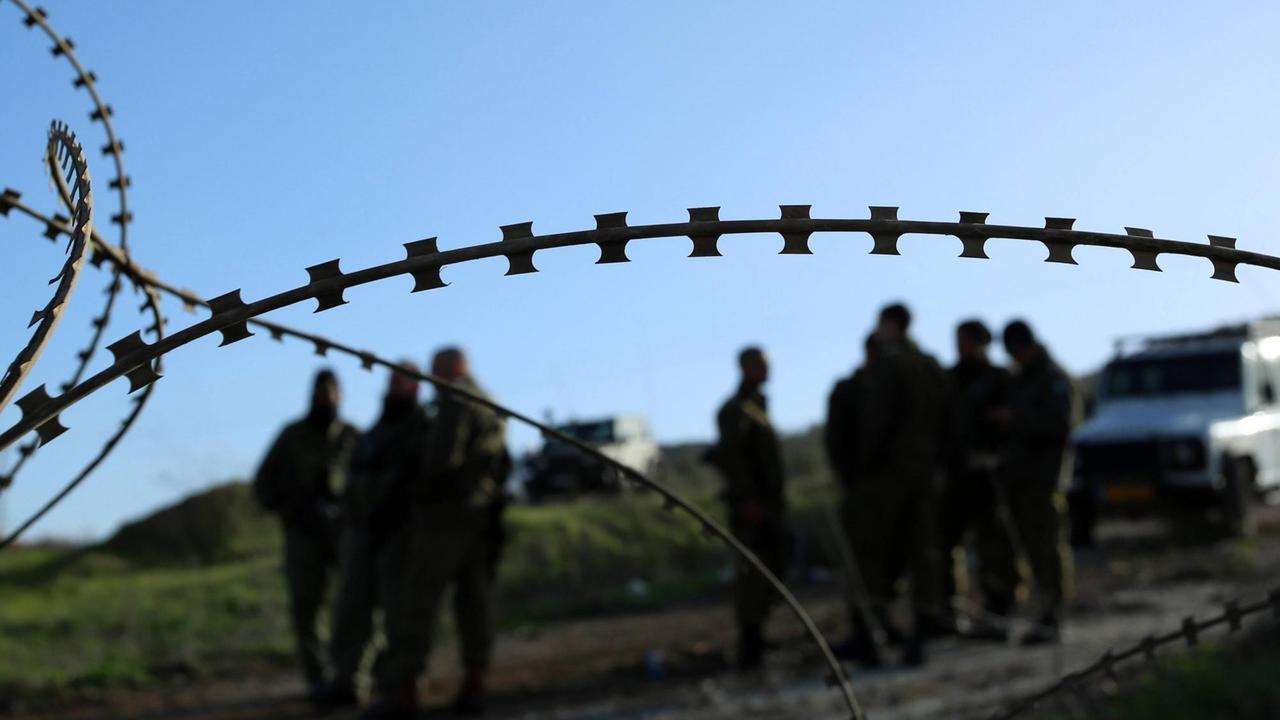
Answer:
(672, 665)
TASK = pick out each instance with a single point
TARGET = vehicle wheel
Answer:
(1239, 498)
(1082, 512)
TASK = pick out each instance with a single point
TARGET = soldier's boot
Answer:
(929, 626)
(860, 647)
(750, 646)
(913, 650)
(337, 693)
(397, 703)
(1046, 631)
(470, 700)
(923, 627)
(993, 624)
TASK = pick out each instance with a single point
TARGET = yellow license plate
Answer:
(1130, 493)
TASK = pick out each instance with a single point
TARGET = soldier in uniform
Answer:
(375, 539)
(299, 481)
(751, 462)
(452, 501)
(840, 438)
(970, 509)
(899, 425)
(1038, 421)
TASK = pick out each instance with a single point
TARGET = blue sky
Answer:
(263, 138)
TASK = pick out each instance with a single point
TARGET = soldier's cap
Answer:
(976, 330)
(1018, 334)
(898, 314)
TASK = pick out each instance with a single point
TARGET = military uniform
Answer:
(751, 462)
(890, 496)
(375, 538)
(1042, 406)
(451, 500)
(969, 504)
(299, 481)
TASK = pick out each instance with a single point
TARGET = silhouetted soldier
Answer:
(969, 507)
(751, 462)
(847, 457)
(299, 481)
(900, 422)
(1039, 416)
(375, 540)
(460, 478)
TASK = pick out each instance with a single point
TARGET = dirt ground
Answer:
(673, 665)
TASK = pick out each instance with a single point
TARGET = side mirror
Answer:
(1268, 393)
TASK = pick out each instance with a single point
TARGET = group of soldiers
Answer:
(930, 462)
(401, 512)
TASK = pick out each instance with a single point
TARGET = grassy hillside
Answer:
(195, 589)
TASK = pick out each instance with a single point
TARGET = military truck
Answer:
(559, 469)
(1185, 423)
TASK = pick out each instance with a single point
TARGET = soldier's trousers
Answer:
(1037, 511)
(308, 560)
(370, 567)
(448, 546)
(890, 519)
(753, 596)
(969, 505)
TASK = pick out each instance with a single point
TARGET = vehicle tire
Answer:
(1082, 513)
(1239, 498)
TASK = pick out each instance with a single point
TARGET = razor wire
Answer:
(424, 261)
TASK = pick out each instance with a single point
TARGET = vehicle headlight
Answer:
(1184, 454)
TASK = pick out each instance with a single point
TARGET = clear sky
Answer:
(265, 137)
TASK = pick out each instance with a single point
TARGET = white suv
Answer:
(1189, 421)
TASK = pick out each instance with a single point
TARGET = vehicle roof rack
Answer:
(1127, 345)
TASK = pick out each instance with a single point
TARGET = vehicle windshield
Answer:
(1173, 375)
(594, 433)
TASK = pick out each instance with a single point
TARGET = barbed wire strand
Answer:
(1188, 632)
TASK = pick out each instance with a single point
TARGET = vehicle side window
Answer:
(1267, 383)
(1268, 371)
